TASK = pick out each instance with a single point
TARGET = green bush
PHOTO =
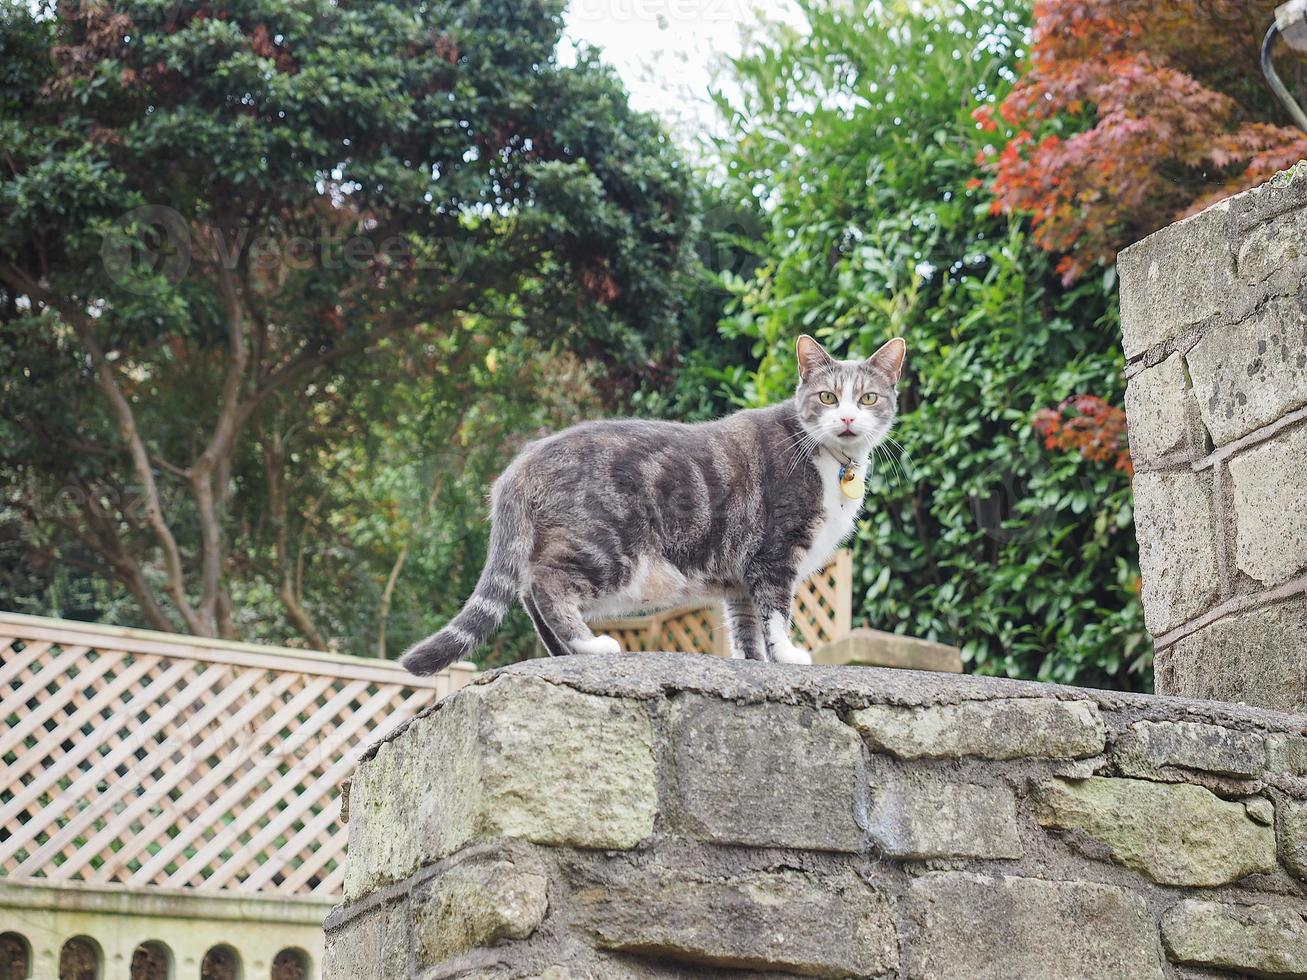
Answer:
(853, 140)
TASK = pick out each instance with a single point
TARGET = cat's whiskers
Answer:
(879, 451)
(801, 451)
(793, 440)
(904, 460)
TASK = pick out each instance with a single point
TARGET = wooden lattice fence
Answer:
(823, 613)
(144, 759)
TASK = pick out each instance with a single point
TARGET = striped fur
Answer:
(626, 516)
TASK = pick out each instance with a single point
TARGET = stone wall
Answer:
(667, 815)
(1214, 319)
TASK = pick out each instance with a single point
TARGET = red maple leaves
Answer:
(1175, 113)
(1090, 426)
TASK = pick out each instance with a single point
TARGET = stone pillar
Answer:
(1214, 322)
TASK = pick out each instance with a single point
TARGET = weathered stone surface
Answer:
(1175, 278)
(1002, 728)
(568, 769)
(1260, 810)
(1291, 833)
(375, 945)
(876, 648)
(1275, 252)
(1257, 657)
(1272, 942)
(1270, 506)
(1175, 524)
(625, 966)
(410, 805)
(476, 903)
(1176, 834)
(1162, 413)
(927, 814)
(1286, 753)
(1150, 748)
(1248, 375)
(769, 775)
(1283, 194)
(828, 927)
(985, 928)
(515, 758)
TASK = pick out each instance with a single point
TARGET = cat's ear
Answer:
(811, 356)
(890, 358)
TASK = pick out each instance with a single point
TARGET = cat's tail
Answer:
(510, 543)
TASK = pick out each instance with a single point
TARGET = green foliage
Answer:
(854, 139)
(241, 248)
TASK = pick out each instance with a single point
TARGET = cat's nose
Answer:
(846, 419)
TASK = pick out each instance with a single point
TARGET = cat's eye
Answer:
(828, 398)
(868, 399)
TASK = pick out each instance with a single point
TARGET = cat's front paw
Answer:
(790, 654)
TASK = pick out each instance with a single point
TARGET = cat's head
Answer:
(848, 405)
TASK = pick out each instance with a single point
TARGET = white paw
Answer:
(790, 654)
(597, 644)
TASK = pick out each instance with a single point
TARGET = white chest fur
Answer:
(839, 514)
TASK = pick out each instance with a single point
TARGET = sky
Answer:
(667, 52)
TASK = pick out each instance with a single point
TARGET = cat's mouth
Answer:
(848, 434)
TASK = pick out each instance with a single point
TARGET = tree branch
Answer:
(209, 474)
(305, 363)
(107, 381)
(274, 459)
(100, 536)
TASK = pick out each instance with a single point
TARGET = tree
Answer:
(209, 212)
(853, 140)
(1130, 115)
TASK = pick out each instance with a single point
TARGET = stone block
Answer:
(1150, 748)
(876, 648)
(1000, 728)
(1257, 657)
(1291, 833)
(1176, 278)
(1260, 810)
(1286, 753)
(1175, 522)
(518, 757)
(1275, 252)
(766, 775)
(984, 928)
(1175, 834)
(1261, 939)
(1162, 413)
(787, 921)
(1248, 375)
(919, 815)
(1270, 506)
(476, 903)
(1284, 193)
(374, 945)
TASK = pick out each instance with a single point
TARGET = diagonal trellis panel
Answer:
(822, 613)
(146, 759)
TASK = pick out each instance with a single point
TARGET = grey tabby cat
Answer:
(618, 517)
